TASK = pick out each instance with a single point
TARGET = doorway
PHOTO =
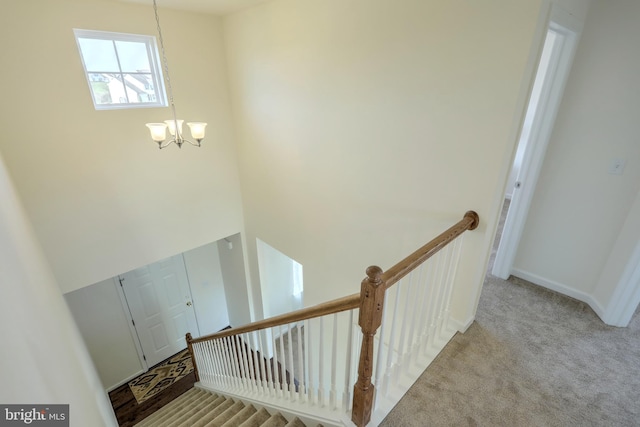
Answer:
(551, 76)
(159, 299)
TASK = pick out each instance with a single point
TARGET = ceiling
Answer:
(217, 7)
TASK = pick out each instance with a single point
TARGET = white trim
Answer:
(541, 128)
(461, 326)
(562, 289)
(626, 296)
(123, 382)
(154, 65)
(132, 329)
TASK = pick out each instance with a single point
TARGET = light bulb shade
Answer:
(172, 126)
(158, 131)
(197, 130)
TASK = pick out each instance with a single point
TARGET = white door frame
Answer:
(559, 65)
(132, 329)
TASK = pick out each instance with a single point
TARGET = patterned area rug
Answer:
(161, 376)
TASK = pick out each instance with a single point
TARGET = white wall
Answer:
(578, 209)
(367, 127)
(101, 196)
(207, 288)
(235, 280)
(43, 359)
(276, 281)
(98, 312)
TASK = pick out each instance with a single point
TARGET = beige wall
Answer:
(578, 210)
(366, 127)
(103, 324)
(43, 358)
(101, 196)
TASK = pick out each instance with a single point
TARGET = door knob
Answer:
(188, 303)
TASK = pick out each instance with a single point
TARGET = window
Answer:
(123, 70)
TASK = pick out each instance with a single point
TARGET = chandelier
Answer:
(159, 130)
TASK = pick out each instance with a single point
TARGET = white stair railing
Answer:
(295, 366)
(310, 362)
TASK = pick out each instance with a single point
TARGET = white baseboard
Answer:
(113, 387)
(461, 326)
(562, 289)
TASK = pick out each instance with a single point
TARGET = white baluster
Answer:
(308, 335)
(215, 362)
(233, 358)
(321, 390)
(426, 304)
(392, 339)
(258, 368)
(283, 363)
(224, 349)
(246, 348)
(302, 389)
(266, 359)
(404, 329)
(436, 300)
(442, 300)
(412, 314)
(334, 367)
(237, 346)
(346, 394)
(277, 372)
(457, 250)
(292, 368)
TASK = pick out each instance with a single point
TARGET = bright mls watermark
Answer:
(35, 415)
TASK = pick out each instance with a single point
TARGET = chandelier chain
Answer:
(165, 63)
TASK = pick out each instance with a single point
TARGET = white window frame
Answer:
(154, 63)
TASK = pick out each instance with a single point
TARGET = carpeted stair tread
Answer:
(257, 419)
(241, 416)
(226, 404)
(180, 414)
(183, 400)
(226, 415)
(200, 408)
(203, 411)
(276, 420)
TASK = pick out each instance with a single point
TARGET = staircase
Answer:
(199, 408)
(344, 362)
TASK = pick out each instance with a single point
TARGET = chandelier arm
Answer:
(195, 144)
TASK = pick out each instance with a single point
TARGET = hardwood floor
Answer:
(129, 412)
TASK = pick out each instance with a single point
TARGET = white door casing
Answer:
(159, 300)
(566, 32)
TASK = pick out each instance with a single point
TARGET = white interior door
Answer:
(159, 299)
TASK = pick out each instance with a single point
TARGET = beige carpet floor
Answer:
(531, 358)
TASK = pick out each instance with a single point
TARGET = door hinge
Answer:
(133, 321)
(121, 279)
(144, 357)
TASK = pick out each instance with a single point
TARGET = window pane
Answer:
(140, 88)
(98, 55)
(133, 57)
(107, 88)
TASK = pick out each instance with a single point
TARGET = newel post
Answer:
(189, 338)
(371, 302)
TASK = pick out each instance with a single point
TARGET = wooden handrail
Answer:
(335, 306)
(372, 294)
(393, 275)
(370, 302)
